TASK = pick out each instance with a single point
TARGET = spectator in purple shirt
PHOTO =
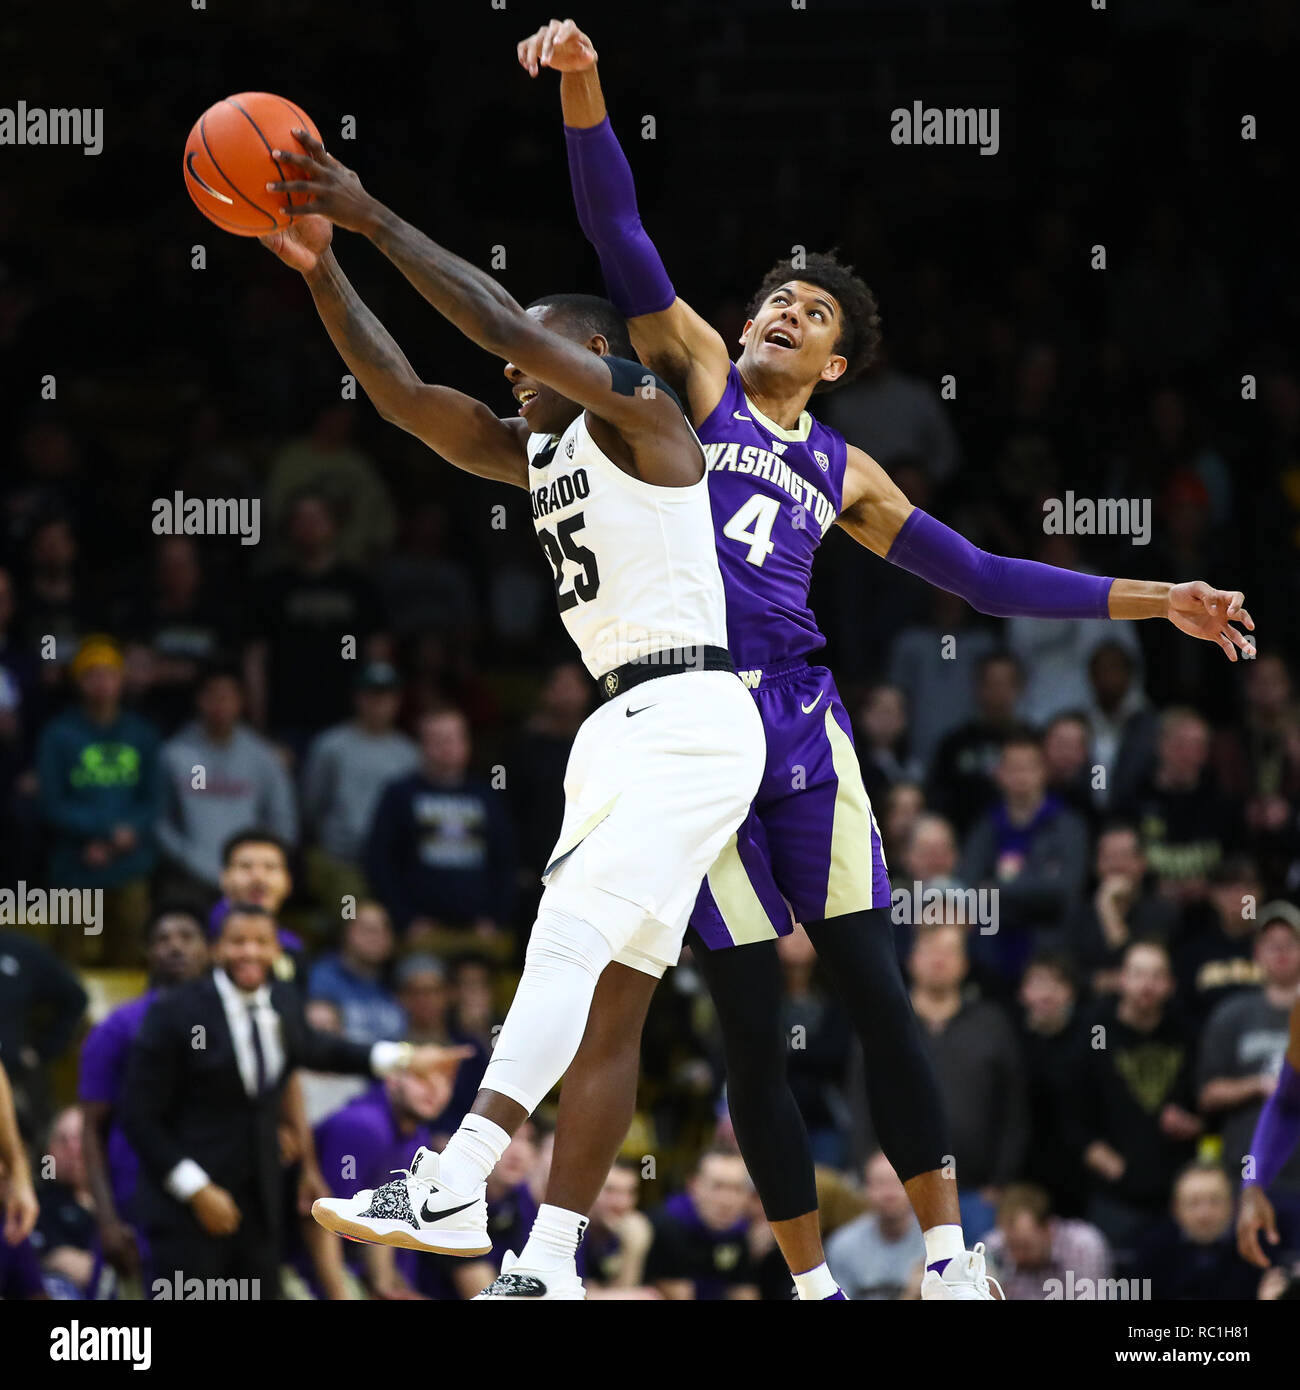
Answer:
(176, 950)
(363, 1142)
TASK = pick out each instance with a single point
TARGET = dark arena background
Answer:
(1089, 321)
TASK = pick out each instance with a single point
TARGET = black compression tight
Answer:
(857, 951)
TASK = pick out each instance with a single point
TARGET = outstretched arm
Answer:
(879, 516)
(668, 334)
(663, 448)
(464, 431)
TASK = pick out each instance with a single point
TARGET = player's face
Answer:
(794, 335)
(545, 410)
(257, 874)
(246, 949)
(178, 950)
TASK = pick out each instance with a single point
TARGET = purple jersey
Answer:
(103, 1068)
(775, 493)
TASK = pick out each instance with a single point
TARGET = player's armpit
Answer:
(874, 506)
(465, 432)
(687, 352)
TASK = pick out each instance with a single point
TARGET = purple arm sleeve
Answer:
(992, 583)
(1277, 1131)
(605, 197)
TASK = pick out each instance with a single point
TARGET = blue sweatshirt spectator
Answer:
(440, 852)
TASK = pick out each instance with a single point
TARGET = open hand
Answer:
(335, 191)
(301, 245)
(1200, 611)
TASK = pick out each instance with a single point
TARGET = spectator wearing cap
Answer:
(424, 993)
(440, 851)
(100, 795)
(348, 767)
(1038, 1256)
(1241, 1055)
(219, 777)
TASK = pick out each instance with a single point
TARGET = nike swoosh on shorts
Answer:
(808, 709)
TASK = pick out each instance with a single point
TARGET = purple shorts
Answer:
(810, 847)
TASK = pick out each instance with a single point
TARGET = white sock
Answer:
(553, 1241)
(472, 1153)
(943, 1243)
(815, 1283)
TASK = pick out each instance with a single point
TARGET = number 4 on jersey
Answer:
(753, 524)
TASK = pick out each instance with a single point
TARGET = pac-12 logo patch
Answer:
(822, 461)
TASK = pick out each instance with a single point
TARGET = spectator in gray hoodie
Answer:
(219, 777)
(348, 766)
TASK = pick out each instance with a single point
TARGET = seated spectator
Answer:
(1122, 724)
(347, 769)
(882, 742)
(701, 1236)
(1067, 759)
(977, 1059)
(1195, 1256)
(930, 861)
(1134, 1110)
(255, 869)
(219, 777)
(304, 613)
(66, 1237)
(474, 1014)
(440, 851)
(1030, 848)
(904, 804)
(612, 1256)
(821, 1043)
(872, 1257)
(176, 950)
(177, 627)
(41, 1004)
(938, 677)
(100, 795)
(963, 774)
(1186, 823)
(1241, 1054)
(537, 763)
(1123, 908)
(353, 978)
(359, 1145)
(425, 999)
(1037, 1256)
(1214, 956)
(1053, 1037)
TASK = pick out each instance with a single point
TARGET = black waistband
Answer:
(671, 662)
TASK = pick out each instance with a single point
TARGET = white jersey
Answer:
(635, 565)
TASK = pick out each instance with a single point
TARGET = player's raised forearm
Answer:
(369, 350)
(581, 99)
(1139, 598)
(462, 293)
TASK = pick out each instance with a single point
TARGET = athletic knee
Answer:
(562, 942)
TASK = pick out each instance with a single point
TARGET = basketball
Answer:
(228, 161)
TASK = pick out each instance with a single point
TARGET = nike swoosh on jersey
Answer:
(808, 709)
(427, 1215)
(736, 415)
(642, 710)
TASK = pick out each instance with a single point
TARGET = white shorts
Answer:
(657, 781)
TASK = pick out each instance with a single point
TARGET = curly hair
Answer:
(860, 322)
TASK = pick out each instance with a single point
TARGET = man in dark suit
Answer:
(201, 1105)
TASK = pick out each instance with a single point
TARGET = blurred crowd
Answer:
(361, 723)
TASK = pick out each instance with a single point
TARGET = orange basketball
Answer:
(228, 161)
